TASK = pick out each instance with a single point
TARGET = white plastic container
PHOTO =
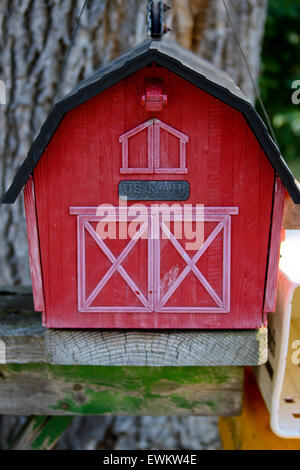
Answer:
(279, 378)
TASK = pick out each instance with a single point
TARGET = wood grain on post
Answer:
(30, 386)
(42, 389)
(26, 342)
(157, 348)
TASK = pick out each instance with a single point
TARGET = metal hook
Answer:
(156, 18)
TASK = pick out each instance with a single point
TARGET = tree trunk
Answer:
(35, 37)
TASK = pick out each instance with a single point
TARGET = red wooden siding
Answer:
(226, 168)
(274, 250)
(156, 142)
(34, 247)
(161, 292)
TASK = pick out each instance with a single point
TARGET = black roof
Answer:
(180, 61)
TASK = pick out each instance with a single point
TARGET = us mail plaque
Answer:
(140, 190)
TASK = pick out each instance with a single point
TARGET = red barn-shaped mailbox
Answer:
(154, 198)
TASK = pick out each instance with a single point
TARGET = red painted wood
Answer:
(89, 223)
(34, 247)
(154, 98)
(274, 250)
(226, 168)
(157, 139)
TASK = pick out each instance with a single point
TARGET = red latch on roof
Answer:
(154, 99)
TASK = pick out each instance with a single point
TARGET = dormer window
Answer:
(153, 147)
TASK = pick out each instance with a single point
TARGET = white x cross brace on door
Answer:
(153, 223)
